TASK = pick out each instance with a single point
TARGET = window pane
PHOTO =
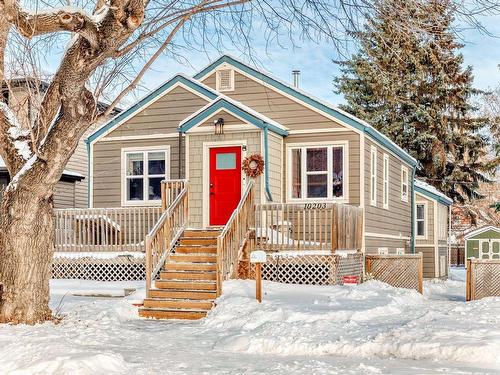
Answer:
(156, 162)
(296, 173)
(317, 186)
(420, 228)
(420, 211)
(317, 159)
(135, 164)
(338, 171)
(135, 189)
(225, 161)
(154, 188)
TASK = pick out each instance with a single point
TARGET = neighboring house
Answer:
(201, 128)
(432, 220)
(22, 95)
(483, 243)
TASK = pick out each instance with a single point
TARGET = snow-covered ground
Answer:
(367, 329)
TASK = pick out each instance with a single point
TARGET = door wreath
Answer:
(253, 165)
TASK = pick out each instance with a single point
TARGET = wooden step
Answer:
(185, 285)
(208, 258)
(196, 250)
(183, 294)
(201, 233)
(198, 241)
(187, 275)
(159, 313)
(180, 266)
(178, 303)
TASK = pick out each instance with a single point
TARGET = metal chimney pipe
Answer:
(296, 76)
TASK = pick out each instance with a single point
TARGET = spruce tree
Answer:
(408, 81)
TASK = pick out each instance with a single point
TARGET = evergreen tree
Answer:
(408, 81)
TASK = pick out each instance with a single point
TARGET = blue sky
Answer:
(317, 69)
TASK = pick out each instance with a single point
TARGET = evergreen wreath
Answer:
(253, 165)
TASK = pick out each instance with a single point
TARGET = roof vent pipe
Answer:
(296, 75)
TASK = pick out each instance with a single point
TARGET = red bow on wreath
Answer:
(253, 165)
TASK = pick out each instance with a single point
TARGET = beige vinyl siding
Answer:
(229, 120)
(396, 220)
(196, 168)
(163, 116)
(64, 195)
(430, 220)
(352, 169)
(274, 105)
(107, 167)
(276, 172)
(79, 163)
(428, 259)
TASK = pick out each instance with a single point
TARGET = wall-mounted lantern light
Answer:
(219, 126)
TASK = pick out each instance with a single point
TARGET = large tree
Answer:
(408, 80)
(108, 40)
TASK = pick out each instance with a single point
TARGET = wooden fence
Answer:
(103, 229)
(309, 226)
(457, 256)
(401, 271)
(482, 279)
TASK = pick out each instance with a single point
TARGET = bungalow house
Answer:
(432, 221)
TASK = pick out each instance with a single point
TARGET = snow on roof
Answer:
(66, 172)
(480, 230)
(431, 189)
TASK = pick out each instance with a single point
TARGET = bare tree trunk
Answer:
(26, 250)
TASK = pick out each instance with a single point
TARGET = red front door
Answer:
(225, 183)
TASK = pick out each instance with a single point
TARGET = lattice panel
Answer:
(486, 279)
(311, 269)
(400, 272)
(122, 268)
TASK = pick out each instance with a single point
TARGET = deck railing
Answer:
(170, 189)
(103, 229)
(308, 226)
(164, 235)
(234, 237)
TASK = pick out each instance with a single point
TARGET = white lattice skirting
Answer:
(119, 268)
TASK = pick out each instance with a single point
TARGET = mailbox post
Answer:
(257, 258)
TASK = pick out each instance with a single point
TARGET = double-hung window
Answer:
(404, 184)
(421, 220)
(144, 171)
(386, 182)
(317, 172)
(373, 176)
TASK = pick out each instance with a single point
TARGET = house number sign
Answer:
(316, 206)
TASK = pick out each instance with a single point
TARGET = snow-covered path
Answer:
(368, 329)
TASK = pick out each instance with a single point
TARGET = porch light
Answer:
(219, 126)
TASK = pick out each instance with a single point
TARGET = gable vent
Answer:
(225, 80)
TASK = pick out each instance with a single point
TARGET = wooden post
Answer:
(334, 234)
(368, 265)
(163, 196)
(149, 265)
(258, 281)
(467, 281)
(421, 273)
(472, 280)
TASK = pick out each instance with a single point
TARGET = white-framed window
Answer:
(421, 220)
(385, 199)
(404, 184)
(317, 172)
(224, 79)
(143, 169)
(373, 176)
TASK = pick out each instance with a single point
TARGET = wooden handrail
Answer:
(234, 237)
(170, 189)
(162, 238)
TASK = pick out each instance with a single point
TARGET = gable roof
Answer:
(236, 108)
(187, 81)
(430, 191)
(477, 231)
(307, 98)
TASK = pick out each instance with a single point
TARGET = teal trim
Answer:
(412, 210)
(88, 172)
(357, 124)
(225, 104)
(433, 196)
(269, 196)
(211, 95)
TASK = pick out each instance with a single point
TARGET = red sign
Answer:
(350, 280)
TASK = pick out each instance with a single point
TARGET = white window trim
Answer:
(373, 176)
(385, 183)
(231, 78)
(345, 161)
(145, 150)
(426, 220)
(404, 170)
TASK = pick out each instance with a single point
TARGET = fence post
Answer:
(421, 273)
(472, 280)
(467, 281)
(368, 264)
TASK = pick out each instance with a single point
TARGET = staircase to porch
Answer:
(187, 284)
